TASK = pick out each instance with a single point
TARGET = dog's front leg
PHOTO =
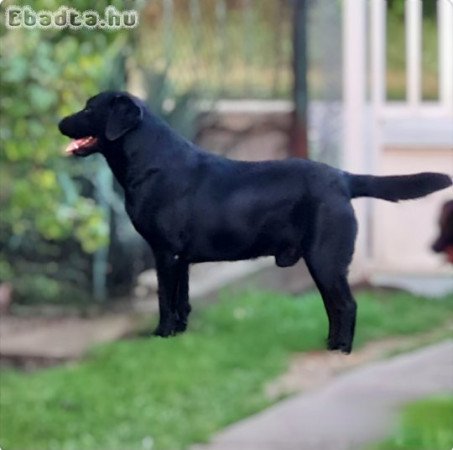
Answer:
(167, 277)
(183, 307)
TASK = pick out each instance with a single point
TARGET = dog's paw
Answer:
(165, 330)
(343, 347)
(180, 326)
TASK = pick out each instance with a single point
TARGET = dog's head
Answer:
(106, 117)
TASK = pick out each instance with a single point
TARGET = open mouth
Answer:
(81, 147)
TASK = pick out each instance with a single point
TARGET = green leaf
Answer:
(41, 98)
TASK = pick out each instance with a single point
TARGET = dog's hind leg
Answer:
(341, 310)
(328, 256)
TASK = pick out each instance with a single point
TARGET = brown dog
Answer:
(444, 243)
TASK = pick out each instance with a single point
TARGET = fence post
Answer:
(222, 42)
(354, 83)
(378, 61)
(354, 111)
(299, 138)
(413, 16)
(378, 80)
(168, 31)
(103, 190)
(445, 26)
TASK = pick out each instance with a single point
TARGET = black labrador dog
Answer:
(192, 206)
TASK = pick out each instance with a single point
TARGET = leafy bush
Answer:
(45, 74)
(56, 213)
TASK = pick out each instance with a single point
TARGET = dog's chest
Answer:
(160, 225)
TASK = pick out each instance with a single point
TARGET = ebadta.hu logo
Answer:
(68, 17)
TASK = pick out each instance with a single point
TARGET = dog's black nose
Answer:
(61, 125)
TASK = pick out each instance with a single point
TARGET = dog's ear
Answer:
(125, 113)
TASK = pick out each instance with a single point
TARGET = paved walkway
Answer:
(37, 340)
(356, 408)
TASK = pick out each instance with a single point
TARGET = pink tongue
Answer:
(77, 144)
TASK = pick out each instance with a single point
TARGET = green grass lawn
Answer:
(173, 392)
(424, 425)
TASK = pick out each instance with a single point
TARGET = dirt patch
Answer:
(311, 370)
(34, 342)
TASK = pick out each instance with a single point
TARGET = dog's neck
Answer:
(130, 169)
(118, 163)
(138, 164)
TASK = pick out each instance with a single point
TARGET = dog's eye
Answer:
(88, 110)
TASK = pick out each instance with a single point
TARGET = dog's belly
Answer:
(229, 246)
(247, 224)
(234, 243)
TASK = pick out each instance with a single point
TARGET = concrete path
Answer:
(355, 409)
(40, 341)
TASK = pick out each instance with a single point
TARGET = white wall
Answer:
(403, 232)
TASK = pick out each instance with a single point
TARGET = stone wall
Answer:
(246, 130)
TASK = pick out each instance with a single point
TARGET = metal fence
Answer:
(225, 48)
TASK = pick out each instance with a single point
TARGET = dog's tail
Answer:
(399, 187)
